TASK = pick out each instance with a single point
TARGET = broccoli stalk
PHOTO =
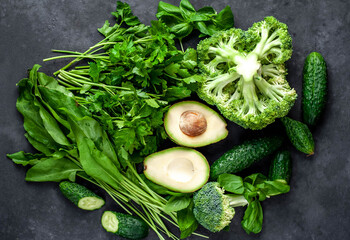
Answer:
(245, 71)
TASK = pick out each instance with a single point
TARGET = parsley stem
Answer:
(182, 47)
(76, 56)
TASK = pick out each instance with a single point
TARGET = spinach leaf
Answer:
(94, 162)
(93, 130)
(53, 169)
(33, 124)
(39, 146)
(25, 158)
(231, 183)
(52, 126)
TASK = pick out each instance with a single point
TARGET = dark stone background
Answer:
(318, 205)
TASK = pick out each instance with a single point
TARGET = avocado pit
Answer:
(192, 123)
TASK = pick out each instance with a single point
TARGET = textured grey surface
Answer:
(318, 205)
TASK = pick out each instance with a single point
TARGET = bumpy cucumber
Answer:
(81, 196)
(244, 155)
(124, 225)
(281, 167)
(299, 135)
(314, 88)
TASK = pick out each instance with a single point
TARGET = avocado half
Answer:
(179, 169)
(193, 124)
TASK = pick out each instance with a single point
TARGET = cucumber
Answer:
(281, 167)
(314, 88)
(124, 225)
(81, 196)
(299, 135)
(244, 155)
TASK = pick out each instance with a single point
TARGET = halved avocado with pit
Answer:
(179, 169)
(193, 124)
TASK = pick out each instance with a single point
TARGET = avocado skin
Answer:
(314, 88)
(244, 155)
(299, 135)
(281, 167)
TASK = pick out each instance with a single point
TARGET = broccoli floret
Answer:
(213, 209)
(245, 73)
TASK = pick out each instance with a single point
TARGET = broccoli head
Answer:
(213, 209)
(245, 76)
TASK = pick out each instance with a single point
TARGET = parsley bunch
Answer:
(131, 77)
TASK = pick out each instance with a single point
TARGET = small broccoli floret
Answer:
(245, 73)
(213, 209)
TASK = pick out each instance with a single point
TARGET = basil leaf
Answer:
(186, 9)
(207, 10)
(231, 183)
(272, 188)
(255, 179)
(253, 217)
(224, 20)
(200, 18)
(186, 221)
(182, 30)
(177, 203)
(168, 8)
(53, 169)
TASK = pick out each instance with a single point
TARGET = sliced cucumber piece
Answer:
(110, 222)
(81, 196)
(124, 225)
(90, 203)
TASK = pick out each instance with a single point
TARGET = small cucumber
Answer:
(124, 225)
(244, 155)
(281, 167)
(81, 196)
(299, 135)
(314, 88)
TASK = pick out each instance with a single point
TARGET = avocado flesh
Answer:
(179, 169)
(215, 130)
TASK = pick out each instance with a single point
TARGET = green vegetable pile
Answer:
(102, 114)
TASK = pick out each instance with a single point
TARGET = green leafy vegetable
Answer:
(177, 203)
(186, 220)
(253, 217)
(52, 169)
(183, 19)
(214, 210)
(231, 183)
